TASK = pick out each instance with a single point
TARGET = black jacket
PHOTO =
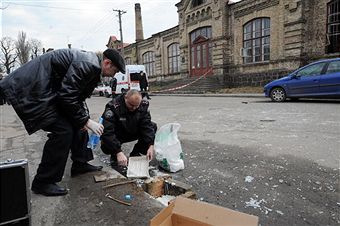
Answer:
(121, 125)
(58, 81)
(143, 82)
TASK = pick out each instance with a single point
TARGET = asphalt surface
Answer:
(278, 161)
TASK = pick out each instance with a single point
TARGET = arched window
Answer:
(149, 62)
(195, 3)
(256, 40)
(173, 58)
(333, 26)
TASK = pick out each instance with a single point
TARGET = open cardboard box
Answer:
(187, 212)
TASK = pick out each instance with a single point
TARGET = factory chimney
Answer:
(139, 25)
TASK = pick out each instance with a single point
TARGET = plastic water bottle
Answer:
(94, 138)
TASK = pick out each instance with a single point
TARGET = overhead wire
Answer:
(41, 6)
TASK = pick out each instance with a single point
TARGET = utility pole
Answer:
(120, 12)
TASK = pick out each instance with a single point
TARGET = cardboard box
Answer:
(187, 212)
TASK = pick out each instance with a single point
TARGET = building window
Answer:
(256, 40)
(205, 32)
(149, 62)
(173, 58)
(197, 2)
(333, 26)
(128, 60)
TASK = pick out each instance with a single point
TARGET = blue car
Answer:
(320, 79)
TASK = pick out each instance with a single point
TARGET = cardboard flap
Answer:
(187, 212)
(212, 214)
(164, 217)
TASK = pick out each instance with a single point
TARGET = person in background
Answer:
(113, 85)
(49, 93)
(127, 118)
(144, 85)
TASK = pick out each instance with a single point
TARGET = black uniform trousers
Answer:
(140, 147)
(144, 93)
(62, 138)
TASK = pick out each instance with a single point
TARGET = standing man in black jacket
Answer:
(49, 93)
(144, 85)
(127, 118)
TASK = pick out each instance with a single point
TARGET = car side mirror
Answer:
(294, 76)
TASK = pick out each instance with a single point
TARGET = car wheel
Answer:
(278, 94)
(101, 93)
(107, 94)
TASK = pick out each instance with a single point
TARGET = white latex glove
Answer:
(95, 127)
(121, 159)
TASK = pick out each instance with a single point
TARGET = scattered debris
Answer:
(279, 212)
(267, 210)
(249, 179)
(99, 204)
(165, 199)
(254, 203)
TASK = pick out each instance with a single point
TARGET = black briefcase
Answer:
(14, 193)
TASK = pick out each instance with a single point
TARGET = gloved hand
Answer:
(95, 127)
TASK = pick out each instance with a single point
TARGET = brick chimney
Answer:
(139, 24)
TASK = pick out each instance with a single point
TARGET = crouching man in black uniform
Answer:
(126, 119)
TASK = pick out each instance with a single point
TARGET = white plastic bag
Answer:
(168, 148)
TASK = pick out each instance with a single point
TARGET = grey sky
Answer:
(86, 24)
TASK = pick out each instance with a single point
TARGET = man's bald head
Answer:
(133, 98)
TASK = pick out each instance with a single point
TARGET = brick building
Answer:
(245, 43)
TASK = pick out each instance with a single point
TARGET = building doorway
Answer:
(200, 57)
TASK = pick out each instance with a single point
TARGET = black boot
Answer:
(119, 168)
(47, 189)
(83, 167)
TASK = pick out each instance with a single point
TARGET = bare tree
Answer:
(23, 48)
(8, 55)
(36, 48)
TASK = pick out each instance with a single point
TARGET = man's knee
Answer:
(154, 125)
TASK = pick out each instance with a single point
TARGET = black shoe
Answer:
(119, 168)
(48, 189)
(83, 167)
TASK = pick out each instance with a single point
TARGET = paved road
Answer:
(291, 149)
(305, 129)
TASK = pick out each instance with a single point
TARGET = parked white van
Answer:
(129, 80)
